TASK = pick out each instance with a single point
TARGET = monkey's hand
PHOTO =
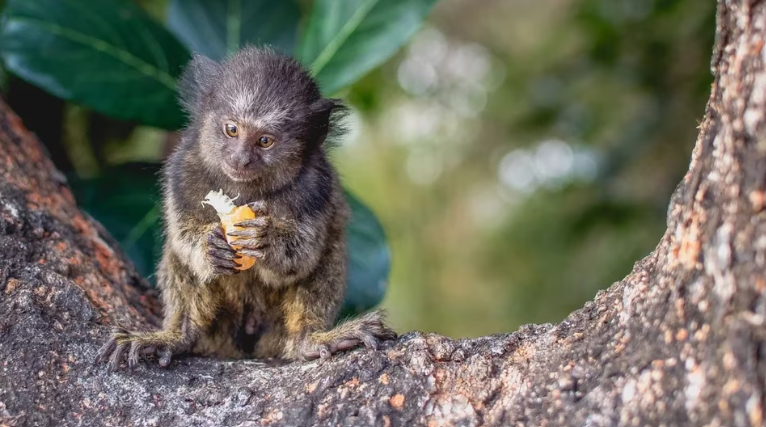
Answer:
(161, 344)
(287, 249)
(220, 254)
(367, 330)
(254, 235)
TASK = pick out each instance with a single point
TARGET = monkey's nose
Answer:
(241, 161)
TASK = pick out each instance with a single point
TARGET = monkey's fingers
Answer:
(166, 356)
(255, 253)
(222, 254)
(114, 360)
(226, 268)
(141, 344)
(368, 330)
(316, 351)
(133, 354)
(260, 208)
(137, 350)
(327, 350)
(247, 233)
(375, 325)
(324, 352)
(345, 345)
(218, 240)
(223, 261)
(251, 244)
(107, 349)
(261, 224)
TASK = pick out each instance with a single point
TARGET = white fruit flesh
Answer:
(222, 203)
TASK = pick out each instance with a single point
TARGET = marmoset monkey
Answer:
(258, 130)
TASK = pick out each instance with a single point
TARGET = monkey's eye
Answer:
(265, 141)
(231, 130)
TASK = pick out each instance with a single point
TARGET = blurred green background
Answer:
(520, 154)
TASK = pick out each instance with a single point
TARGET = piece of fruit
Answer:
(231, 214)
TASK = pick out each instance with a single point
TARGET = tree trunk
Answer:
(680, 341)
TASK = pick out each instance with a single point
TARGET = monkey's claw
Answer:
(253, 234)
(137, 345)
(259, 208)
(368, 330)
(221, 254)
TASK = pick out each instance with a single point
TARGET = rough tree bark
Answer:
(680, 341)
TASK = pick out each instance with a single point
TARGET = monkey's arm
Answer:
(189, 309)
(310, 310)
(287, 249)
(201, 247)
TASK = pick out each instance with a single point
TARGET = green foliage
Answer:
(111, 56)
(586, 241)
(369, 259)
(3, 79)
(215, 28)
(623, 81)
(347, 38)
(107, 55)
(127, 65)
(126, 200)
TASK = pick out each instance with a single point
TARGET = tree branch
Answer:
(680, 341)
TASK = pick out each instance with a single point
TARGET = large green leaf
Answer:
(369, 259)
(219, 27)
(3, 79)
(108, 55)
(347, 38)
(126, 201)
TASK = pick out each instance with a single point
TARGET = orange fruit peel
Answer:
(231, 214)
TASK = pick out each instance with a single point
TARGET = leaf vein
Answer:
(345, 32)
(102, 46)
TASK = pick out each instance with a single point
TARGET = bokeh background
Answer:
(519, 153)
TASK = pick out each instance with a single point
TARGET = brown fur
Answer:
(287, 304)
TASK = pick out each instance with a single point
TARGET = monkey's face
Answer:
(251, 148)
(246, 150)
(260, 115)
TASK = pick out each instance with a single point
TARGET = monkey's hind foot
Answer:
(368, 330)
(161, 344)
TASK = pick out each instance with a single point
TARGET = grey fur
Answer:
(286, 305)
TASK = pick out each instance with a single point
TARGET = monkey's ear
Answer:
(328, 119)
(197, 80)
(327, 106)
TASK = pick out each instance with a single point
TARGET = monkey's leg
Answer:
(164, 344)
(189, 309)
(307, 321)
(367, 330)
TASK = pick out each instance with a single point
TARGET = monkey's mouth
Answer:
(239, 174)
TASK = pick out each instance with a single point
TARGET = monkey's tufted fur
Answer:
(258, 130)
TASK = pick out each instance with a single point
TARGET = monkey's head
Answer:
(258, 115)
